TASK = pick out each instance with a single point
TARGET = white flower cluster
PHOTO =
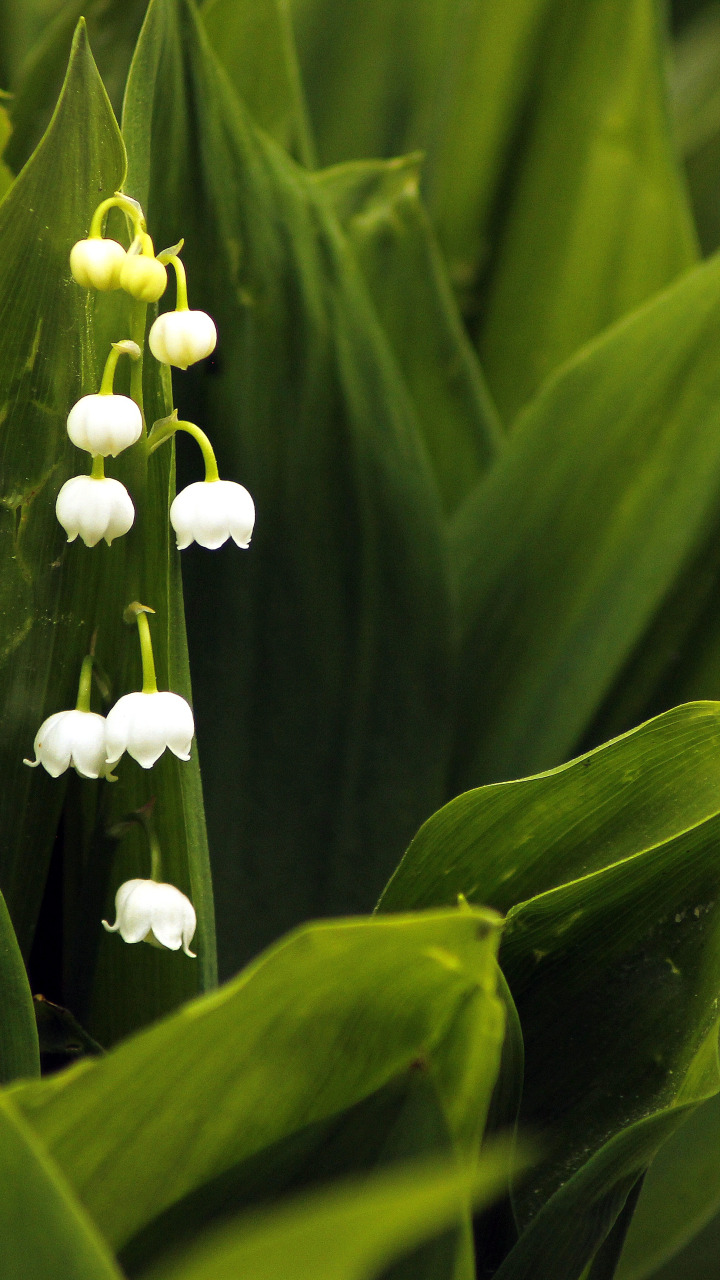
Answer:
(94, 507)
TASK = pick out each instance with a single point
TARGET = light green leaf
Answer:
(322, 1021)
(349, 1232)
(43, 1230)
(605, 492)
(379, 207)
(254, 42)
(321, 668)
(599, 219)
(608, 870)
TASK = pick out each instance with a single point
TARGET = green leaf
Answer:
(553, 601)
(254, 42)
(113, 27)
(349, 1232)
(321, 669)
(55, 597)
(599, 219)
(696, 115)
(607, 868)
(379, 207)
(385, 77)
(19, 1053)
(43, 1229)
(322, 1021)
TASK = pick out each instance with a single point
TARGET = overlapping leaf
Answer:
(321, 669)
(599, 220)
(603, 497)
(608, 869)
(379, 207)
(327, 1018)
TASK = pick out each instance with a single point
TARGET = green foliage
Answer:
(399, 213)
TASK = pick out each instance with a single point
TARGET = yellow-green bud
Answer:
(143, 277)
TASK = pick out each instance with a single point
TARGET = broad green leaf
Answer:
(696, 114)
(322, 1021)
(6, 176)
(680, 1196)
(43, 1230)
(113, 27)
(56, 596)
(600, 500)
(599, 219)
(254, 42)
(390, 76)
(19, 1054)
(607, 868)
(349, 1232)
(321, 656)
(379, 207)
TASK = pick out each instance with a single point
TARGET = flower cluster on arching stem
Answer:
(94, 507)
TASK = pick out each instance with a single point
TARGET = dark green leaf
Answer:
(55, 596)
(321, 656)
(255, 44)
(380, 209)
(608, 870)
(565, 552)
(19, 1055)
(599, 219)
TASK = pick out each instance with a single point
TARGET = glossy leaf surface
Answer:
(325, 1019)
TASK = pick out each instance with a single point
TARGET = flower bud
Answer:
(144, 724)
(96, 263)
(74, 738)
(94, 509)
(143, 277)
(182, 337)
(146, 911)
(211, 511)
(104, 424)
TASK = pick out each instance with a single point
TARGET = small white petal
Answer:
(156, 913)
(210, 512)
(104, 424)
(94, 509)
(181, 338)
(144, 724)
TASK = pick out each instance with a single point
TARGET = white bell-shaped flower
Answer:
(104, 424)
(94, 509)
(96, 263)
(74, 738)
(182, 337)
(146, 911)
(211, 511)
(144, 724)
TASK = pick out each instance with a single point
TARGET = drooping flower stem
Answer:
(118, 201)
(181, 301)
(137, 612)
(138, 315)
(165, 429)
(98, 467)
(117, 349)
(85, 684)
